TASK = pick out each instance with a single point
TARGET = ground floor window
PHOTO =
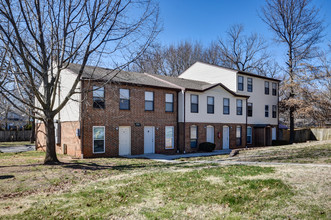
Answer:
(274, 133)
(169, 137)
(98, 139)
(249, 135)
(238, 136)
(194, 136)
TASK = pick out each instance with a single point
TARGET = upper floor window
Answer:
(226, 106)
(249, 135)
(249, 85)
(239, 107)
(194, 103)
(274, 111)
(124, 99)
(98, 97)
(266, 88)
(249, 109)
(240, 83)
(238, 135)
(266, 111)
(274, 89)
(194, 136)
(210, 104)
(149, 101)
(169, 102)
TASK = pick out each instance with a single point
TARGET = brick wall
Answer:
(68, 137)
(112, 117)
(218, 135)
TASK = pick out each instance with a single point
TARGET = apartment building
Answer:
(118, 113)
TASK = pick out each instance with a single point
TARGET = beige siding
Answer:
(218, 117)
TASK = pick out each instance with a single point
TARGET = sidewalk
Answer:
(17, 149)
(164, 157)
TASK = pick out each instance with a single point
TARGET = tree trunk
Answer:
(51, 157)
(291, 125)
(33, 132)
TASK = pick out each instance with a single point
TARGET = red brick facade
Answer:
(70, 142)
(218, 135)
(112, 118)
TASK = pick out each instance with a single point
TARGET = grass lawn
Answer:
(13, 144)
(117, 188)
(313, 152)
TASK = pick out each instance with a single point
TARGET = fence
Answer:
(303, 135)
(15, 135)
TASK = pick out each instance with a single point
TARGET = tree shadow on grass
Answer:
(95, 166)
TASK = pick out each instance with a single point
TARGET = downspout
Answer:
(81, 124)
(178, 142)
(184, 123)
(246, 124)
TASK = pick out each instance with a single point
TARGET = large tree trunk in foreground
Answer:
(50, 157)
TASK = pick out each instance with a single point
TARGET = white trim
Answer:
(172, 138)
(249, 135)
(104, 140)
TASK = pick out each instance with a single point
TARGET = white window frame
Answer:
(172, 138)
(249, 127)
(167, 96)
(104, 140)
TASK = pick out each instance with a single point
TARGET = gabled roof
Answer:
(239, 71)
(194, 85)
(146, 79)
(118, 76)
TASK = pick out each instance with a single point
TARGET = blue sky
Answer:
(205, 20)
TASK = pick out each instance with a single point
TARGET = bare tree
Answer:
(242, 52)
(297, 25)
(43, 37)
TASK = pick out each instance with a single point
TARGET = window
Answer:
(169, 104)
(194, 136)
(149, 101)
(169, 137)
(210, 105)
(274, 89)
(226, 106)
(98, 97)
(274, 111)
(98, 139)
(249, 135)
(124, 99)
(239, 107)
(240, 83)
(249, 85)
(266, 111)
(266, 88)
(249, 109)
(238, 136)
(194, 103)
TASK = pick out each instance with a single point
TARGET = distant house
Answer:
(12, 120)
(136, 113)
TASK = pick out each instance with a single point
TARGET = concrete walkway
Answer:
(168, 158)
(17, 149)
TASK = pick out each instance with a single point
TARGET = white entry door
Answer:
(226, 138)
(149, 139)
(124, 140)
(210, 134)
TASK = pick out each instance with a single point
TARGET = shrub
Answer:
(207, 146)
(279, 142)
